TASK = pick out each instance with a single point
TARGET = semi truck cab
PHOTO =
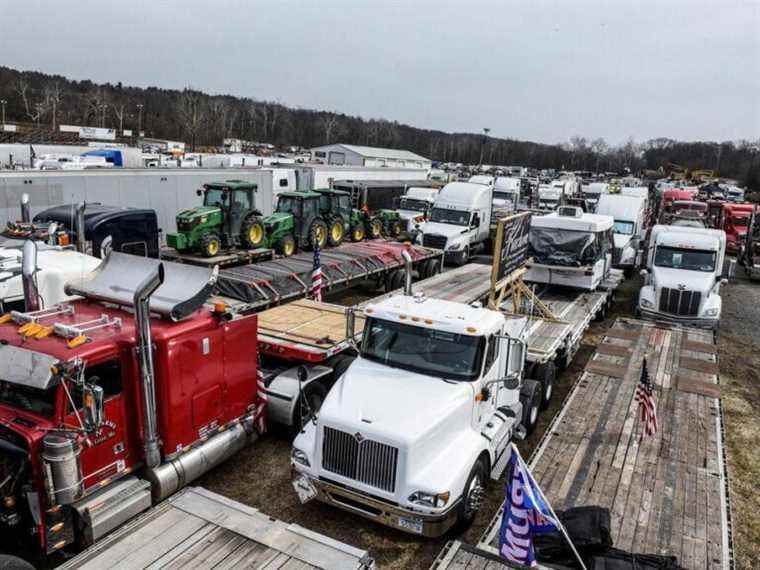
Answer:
(412, 430)
(683, 276)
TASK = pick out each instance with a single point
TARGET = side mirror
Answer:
(199, 192)
(303, 375)
(643, 272)
(93, 407)
(351, 327)
(511, 382)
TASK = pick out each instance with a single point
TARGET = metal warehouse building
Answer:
(354, 155)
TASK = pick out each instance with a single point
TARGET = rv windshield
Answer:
(40, 402)
(621, 227)
(689, 259)
(455, 217)
(422, 350)
(413, 204)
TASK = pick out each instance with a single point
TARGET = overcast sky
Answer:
(536, 69)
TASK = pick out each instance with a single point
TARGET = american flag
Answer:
(316, 275)
(647, 406)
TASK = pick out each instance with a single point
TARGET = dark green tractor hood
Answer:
(192, 213)
(276, 218)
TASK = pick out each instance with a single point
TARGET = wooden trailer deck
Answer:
(200, 529)
(668, 494)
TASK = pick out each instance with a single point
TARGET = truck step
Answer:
(519, 433)
(112, 506)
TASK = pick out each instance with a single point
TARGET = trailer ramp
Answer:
(200, 529)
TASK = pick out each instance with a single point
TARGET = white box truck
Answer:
(683, 276)
(628, 231)
(570, 248)
(460, 221)
(410, 433)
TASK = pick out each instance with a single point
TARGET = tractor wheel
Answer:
(210, 245)
(286, 245)
(395, 228)
(335, 237)
(318, 234)
(252, 233)
(375, 228)
(357, 233)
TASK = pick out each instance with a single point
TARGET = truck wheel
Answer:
(335, 237)
(429, 268)
(472, 498)
(530, 396)
(395, 228)
(286, 246)
(210, 245)
(252, 233)
(395, 280)
(545, 374)
(357, 233)
(465, 256)
(375, 228)
(313, 396)
(318, 234)
(8, 562)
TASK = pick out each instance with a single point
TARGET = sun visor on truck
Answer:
(26, 367)
(185, 288)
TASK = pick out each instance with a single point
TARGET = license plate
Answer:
(411, 524)
(304, 488)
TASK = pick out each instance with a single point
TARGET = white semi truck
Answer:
(410, 433)
(683, 276)
(414, 206)
(629, 229)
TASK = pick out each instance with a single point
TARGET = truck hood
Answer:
(448, 230)
(276, 218)
(29, 426)
(689, 280)
(192, 213)
(397, 405)
(407, 215)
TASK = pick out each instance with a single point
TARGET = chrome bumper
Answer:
(379, 511)
(702, 323)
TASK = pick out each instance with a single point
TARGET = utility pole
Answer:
(486, 130)
(139, 120)
(2, 103)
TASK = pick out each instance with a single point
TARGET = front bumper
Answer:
(380, 511)
(710, 323)
(455, 256)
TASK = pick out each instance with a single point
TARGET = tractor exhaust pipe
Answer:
(145, 354)
(81, 245)
(28, 271)
(26, 209)
(407, 272)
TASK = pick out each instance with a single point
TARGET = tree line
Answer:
(204, 120)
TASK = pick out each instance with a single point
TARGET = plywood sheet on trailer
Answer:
(666, 494)
(307, 322)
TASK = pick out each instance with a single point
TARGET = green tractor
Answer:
(227, 219)
(297, 223)
(342, 219)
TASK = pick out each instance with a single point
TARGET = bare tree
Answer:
(599, 147)
(191, 112)
(118, 110)
(53, 96)
(33, 111)
(328, 122)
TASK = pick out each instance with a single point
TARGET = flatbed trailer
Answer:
(667, 494)
(230, 258)
(255, 287)
(200, 529)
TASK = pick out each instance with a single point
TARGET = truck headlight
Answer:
(712, 312)
(430, 499)
(647, 304)
(299, 457)
(455, 246)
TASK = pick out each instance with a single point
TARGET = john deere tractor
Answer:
(227, 219)
(342, 219)
(296, 224)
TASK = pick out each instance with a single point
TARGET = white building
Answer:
(354, 155)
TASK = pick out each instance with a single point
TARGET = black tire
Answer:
(318, 230)
(8, 562)
(395, 228)
(358, 233)
(211, 245)
(336, 232)
(546, 374)
(465, 256)
(395, 280)
(252, 233)
(433, 267)
(530, 396)
(286, 246)
(472, 496)
(314, 393)
(375, 228)
(601, 313)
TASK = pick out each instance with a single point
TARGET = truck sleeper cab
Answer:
(683, 276)
(629, 214)
(410, 433)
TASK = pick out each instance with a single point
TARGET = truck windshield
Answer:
(40, 402)
(689, 259)
(214, 198)
(506, 196)
(422, 350)
(455, 217)
(412, 204)
(621, 227)
(289, 205)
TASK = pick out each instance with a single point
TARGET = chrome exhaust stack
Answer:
(26, 209)
(28, 273)
(407, 273)
(145, 353)
(81, 244)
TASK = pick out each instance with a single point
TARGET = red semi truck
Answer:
(734, 220)
(111, 403)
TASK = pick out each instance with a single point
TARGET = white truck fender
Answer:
(282, 392)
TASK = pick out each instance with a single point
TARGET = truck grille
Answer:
(364, 460)
(434, 241)
(677, 302)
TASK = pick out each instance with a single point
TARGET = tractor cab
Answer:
(296, 224)
(227, 219)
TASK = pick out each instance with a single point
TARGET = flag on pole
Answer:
(316, 275)
(647, 406)
(526, 513)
